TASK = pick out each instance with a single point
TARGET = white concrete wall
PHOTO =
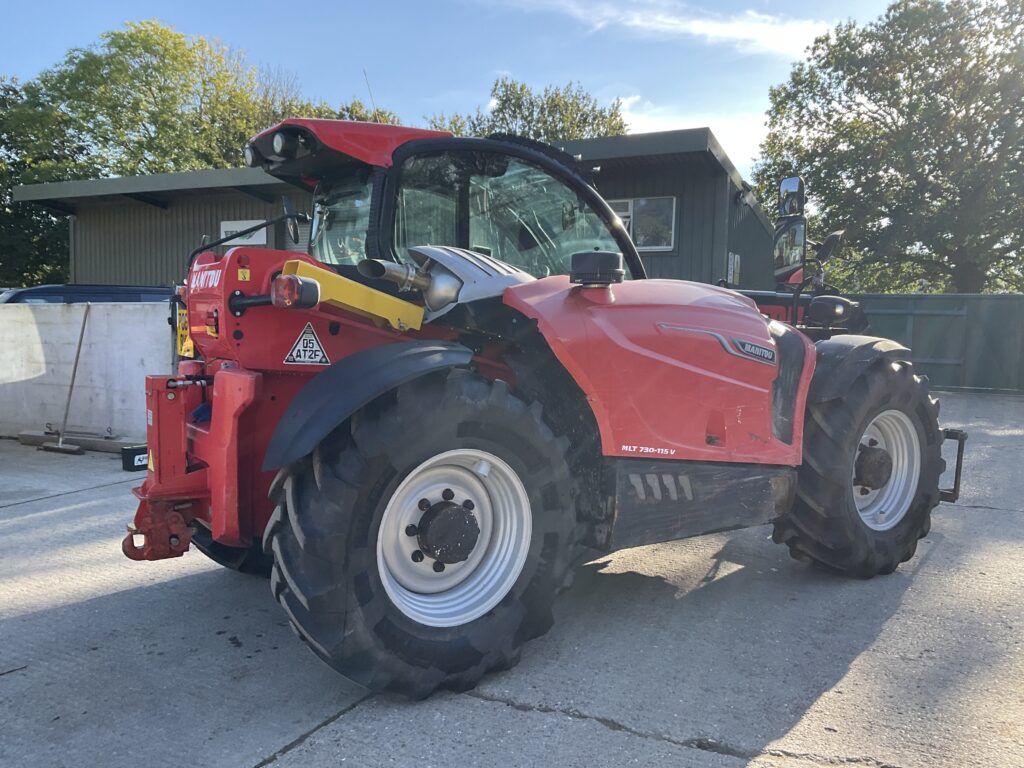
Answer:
(123, 343)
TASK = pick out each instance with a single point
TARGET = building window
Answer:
(650, 221)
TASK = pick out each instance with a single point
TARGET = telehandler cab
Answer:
(467, 386)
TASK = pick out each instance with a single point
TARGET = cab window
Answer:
(498, 205)
(341, 219)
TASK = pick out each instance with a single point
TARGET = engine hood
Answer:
(671, 368)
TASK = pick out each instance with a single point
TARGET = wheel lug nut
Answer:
(417, 556)
(411, 530)
(424, 504)
(438, 566)
(447, 494)
(872, 442)
(467, 504)
(864, 491)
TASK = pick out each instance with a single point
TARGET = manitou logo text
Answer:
(756, 351)
(209, 278)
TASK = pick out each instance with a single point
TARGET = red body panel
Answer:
(658, 363)
(371, 143)
(261, 338)
(207, 439)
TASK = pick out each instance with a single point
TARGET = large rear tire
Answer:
(870, 475)
(383, 567)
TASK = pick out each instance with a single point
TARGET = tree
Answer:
(909, 132)
(33, 242)
(556, 113)
(144, 99)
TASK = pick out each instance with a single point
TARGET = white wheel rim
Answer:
(466, 590)
(882, 508)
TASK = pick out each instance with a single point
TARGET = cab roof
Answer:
(370, 143)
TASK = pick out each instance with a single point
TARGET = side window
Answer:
(498, 205)
(650, 221)
(341, 219)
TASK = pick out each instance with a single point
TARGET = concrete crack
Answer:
(985, 506)
(16, 669)
(701, 743)
(824, 760)
(298, 742)
(68, 493)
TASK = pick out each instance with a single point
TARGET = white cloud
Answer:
(748, 31)
(739, 133)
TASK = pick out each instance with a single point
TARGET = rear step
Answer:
(952, 494)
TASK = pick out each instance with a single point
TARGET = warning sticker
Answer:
(307, 349)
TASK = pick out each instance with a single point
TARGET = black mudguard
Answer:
(335, 393)
(841, 359)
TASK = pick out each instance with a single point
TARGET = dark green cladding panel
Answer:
(118, 240)
(691, 255)
(711, 221)
(972, 341)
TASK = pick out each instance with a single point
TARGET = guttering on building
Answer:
(687, 208)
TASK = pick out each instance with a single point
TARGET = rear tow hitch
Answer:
(160, 530)
(952, 494)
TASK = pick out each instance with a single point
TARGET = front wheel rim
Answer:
(882, 508)
(466, 590)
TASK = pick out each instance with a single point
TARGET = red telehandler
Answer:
(468, 385)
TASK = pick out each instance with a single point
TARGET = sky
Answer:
(673, 64)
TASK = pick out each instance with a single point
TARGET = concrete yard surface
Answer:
(717, 651)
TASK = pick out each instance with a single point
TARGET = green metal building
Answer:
(689, 211)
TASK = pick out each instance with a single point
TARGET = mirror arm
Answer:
(302, 218)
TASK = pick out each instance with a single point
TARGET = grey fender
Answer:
(335, 393)
(841, 359)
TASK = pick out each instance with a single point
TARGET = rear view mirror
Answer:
(791, 196)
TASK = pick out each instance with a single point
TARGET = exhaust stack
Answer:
(439, 286)
(405, 276)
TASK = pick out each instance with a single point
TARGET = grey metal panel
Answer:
(126, 242)
(636, 144)
(156, 182)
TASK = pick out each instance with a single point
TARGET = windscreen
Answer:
(497, 205)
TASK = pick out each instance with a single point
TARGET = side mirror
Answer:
(830, 248)
(291, 219)
(827, 311)
(790, 247)
(791, 196)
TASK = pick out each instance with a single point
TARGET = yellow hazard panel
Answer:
(244, 275)
(185, 347)
(347, 294)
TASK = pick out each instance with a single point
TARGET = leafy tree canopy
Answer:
(143, 99)
(553, 114)
(910, 133)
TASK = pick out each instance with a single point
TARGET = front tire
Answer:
(870, 475)
(386, 571)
